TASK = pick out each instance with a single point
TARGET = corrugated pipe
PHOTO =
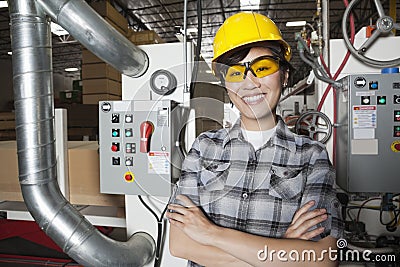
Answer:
(92, 31)
(34, 112)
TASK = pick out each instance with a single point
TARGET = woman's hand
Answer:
(191, 220)
(303, 220)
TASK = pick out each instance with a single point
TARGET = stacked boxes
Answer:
(101, 81)
(144, 37)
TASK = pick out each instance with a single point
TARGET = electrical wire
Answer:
(362, 205)
(160, 231)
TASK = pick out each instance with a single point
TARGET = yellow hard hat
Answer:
(246, 28)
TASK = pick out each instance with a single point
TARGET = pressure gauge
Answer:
(163, 82)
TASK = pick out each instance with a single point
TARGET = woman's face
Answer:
(256, 98)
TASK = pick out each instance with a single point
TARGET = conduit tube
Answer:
(34, 116)
(93, 32)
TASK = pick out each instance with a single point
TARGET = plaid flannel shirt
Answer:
(258, 192)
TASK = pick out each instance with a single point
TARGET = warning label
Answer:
(364, 116)
(158, 162)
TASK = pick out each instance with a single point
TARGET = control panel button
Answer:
(129, 177)
(396, 99)
(128, 161)
(128, 118)
(115, 147)
(130, 148)
(396, 131)
(115, 118)
(373, 85)
(381, 100)
(365, 100)
(115, 132)
(396, 115)
(116, 161)
(128, 132)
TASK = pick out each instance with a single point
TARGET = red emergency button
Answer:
(397, 147)
(129, 177)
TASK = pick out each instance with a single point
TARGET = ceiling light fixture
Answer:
(9, 53)
(3, 4)
(57, 29)
(71, 69)
(296, 23)
(249, 4)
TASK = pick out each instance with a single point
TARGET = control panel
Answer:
(137, 147)
(368, 133)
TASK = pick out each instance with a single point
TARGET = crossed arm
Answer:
(194, 237)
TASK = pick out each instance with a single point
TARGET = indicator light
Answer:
(128, 118)
(373, 85)
(365, 100)
(381, 100)
(115, 132)
(115, 147)
(128, 132)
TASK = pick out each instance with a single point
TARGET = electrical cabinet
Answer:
(139, 147)
(368, 133)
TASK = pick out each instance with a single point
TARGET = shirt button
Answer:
(245, 195)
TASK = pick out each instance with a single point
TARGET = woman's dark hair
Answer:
(237, 55)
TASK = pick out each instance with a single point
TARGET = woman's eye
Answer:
(262, 69)
(236, 73)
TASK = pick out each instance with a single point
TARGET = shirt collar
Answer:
(282, 137)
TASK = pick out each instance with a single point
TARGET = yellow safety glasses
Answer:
(260, 67)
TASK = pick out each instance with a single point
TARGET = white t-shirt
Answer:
(258, 138)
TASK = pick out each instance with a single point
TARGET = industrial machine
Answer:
(368, 130)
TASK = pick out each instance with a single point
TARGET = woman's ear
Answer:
(285, 79)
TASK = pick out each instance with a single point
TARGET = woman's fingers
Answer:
(303, 210)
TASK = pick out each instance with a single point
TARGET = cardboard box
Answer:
(100, 70)
(101, 86)
(9, 183)
(95, 98)
(84, 175)
(106, 10)
(88, 57)
(144, 37)
(122, 31)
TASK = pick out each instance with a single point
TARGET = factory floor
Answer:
(24, 244)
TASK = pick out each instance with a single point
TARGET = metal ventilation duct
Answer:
(34, 111)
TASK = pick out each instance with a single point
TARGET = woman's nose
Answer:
(251, 81)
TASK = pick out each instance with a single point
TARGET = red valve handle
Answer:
(146, 130)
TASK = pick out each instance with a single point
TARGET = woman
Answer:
(256, 187)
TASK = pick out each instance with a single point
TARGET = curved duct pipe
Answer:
(34, 112)
(93, 32)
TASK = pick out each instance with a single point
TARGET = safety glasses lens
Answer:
(235, 73)
(261, 67)
(264, 67)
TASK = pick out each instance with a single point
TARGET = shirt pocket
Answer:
(286, 182)
(213, 175)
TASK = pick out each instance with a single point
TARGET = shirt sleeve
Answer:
(320, 187)
(189, 180)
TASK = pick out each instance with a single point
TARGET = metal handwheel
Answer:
(384, 25)
(314, 124)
